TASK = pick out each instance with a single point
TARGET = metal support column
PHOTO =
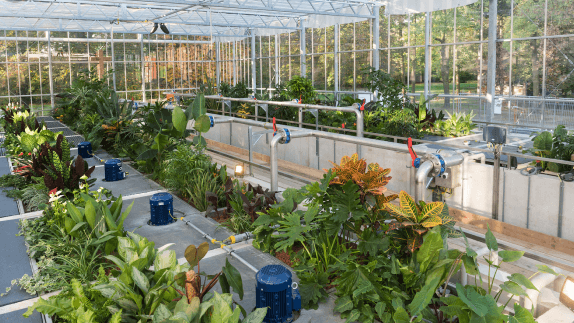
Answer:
(496, 182)
(113, 59)
(544, 43)
(253, 70)
(303, 46)
(491, 67)
(234, 63)
(250, 144)
(336, 62)
(376, 37)
(143, 67)
(300, 117)
(50, 71)
(428, 57)
(277, 75)
(217, 65)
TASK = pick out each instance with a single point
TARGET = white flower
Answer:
(100, 189)
(56, 194)
(82, 186)
(84, 177)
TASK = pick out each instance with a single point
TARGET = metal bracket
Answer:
(315, 112)
(257, 135)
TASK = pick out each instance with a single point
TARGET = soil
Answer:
(221, 218)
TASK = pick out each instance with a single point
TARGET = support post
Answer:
(143, 67)
(217, 65)
(300, 117)
(491, 69)
(50, 70)
(303, 46)
(428, 57)
(336, 62)
(250, 143)
(253, 70)
(277, 81)
(496, 182)
(234, 63)
(376, 37)
(113, 59)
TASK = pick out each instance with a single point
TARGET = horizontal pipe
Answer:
(229, 250)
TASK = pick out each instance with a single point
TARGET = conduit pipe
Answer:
(229, 250)
(356, 110)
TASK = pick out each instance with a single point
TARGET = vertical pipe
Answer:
(491, 69)
(376, 37)
(50, 71)
(277, 81)
(544, 62)
(303, 47)
(560, 208)
(250, 144)
(496, 183)
(300, 117)
(217, 64)
(143, 67)
(234, 63)
(113, 59)
(427, 55)
(336, 62)
(253, 76)
(273, 163)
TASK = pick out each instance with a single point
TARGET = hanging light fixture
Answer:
(164, 28)
(155, 26)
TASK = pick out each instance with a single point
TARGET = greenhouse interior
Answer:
(292, 161)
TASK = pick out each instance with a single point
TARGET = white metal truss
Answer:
(229, 18)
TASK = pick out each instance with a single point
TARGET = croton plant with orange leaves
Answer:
(371, 179)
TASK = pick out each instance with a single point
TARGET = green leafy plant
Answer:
(557, 145)
(301, 89)
(457, 125)
(413, 221)
(476, 303)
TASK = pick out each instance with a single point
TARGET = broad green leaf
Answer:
(141, 280)
(202, 124)
(50, 307)
(221, 308)
(74, 213)
(124, 216)
(546, 269)
(199, 140)
(432, 244)
(472, 299)
(164, 259)
(513, 288)
(161, 313)
(160, 141)
(491, 243)
(470, 265)
(510, 255)
(521, 315)
(423, 297)
(353, 316)
(257, 316)
(408, 206)
(520, 279)
(233, 278)
(148, 154)
(202, 250)
(380, 309)
(90, 213)
(116, 317)
(198, 106)
(401, 316)
(344, 303)
(191, 255)
(179, 119)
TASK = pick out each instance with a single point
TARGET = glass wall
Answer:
(150, 64)
(534, 60)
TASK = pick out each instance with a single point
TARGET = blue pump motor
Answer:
(113, 170)
(85, 149)
(161, 207)
(276, 291)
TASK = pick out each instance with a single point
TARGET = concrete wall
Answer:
(533, 205)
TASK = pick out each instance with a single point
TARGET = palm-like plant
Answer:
(414, 220)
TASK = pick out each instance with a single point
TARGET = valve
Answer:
(416, 160)
(362, 108)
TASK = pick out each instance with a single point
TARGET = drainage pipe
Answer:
(229, 250)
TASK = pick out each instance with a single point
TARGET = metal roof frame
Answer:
(228, 18)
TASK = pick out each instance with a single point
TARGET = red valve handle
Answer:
(413, 153)
(363, 105)
(274, 125)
